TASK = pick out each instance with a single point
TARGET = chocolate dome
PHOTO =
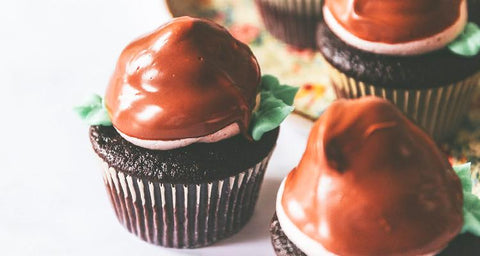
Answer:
(395, 21)
(372, 183)
(189, 78)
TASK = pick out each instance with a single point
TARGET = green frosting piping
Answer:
(468, 43)
(471, 203)
(93, 111)
(276, 102)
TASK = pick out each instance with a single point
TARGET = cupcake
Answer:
(372, 183)
(185, 133)
(422, 55)
(292, 21)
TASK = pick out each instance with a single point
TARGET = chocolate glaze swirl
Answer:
(372, 183)
(189, 78)
(395, 21)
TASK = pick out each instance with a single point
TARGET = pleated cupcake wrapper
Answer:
(184, 216)
(439, 111)
(294, 22)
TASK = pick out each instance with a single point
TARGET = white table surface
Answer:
(53, 53)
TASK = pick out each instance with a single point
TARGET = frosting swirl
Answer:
(368, 170)
(189, 78)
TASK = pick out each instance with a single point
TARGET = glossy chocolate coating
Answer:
(189, 78)
(395, 21)
(372, 183)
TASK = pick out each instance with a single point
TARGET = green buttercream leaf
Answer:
(269, 82)
(465, 175)
(276, 102)
(471, 214)
(468, 43)
(284, 92)
(93, 111)
(471, 203)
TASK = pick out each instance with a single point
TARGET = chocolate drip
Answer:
(189, 78)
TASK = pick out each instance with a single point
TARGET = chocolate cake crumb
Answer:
(193, 164)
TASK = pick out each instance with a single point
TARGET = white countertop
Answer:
(53, 53)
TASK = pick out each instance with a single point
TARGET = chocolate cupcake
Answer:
(292, 21)
(403, 51)
(372, 183)
(194, 126)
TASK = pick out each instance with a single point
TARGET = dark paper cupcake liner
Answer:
(293, 22)
(184, 216)
(439, 111)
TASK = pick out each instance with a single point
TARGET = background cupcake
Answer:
(193, 131)
(292, 21)
(189, 7)
(405, 58)
(372, 183)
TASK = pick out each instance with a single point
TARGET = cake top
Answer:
(187, 82)
(369, 170)
(395, 21)
(401, 27)
(189, 78)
